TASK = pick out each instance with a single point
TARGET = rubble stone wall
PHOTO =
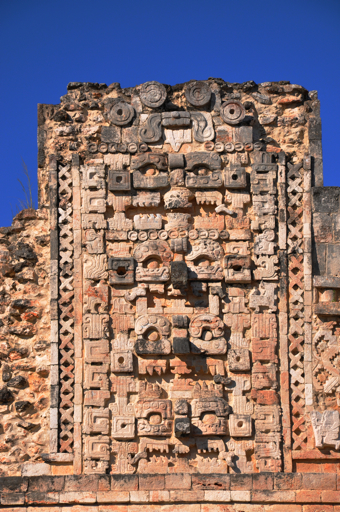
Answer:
(170, 313)
(24, 340)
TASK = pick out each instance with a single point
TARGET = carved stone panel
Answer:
(121, 270)
(119, 180)
(96, 421)
(183, 295)
(153, 94)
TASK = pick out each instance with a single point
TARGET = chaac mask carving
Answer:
(171, 259)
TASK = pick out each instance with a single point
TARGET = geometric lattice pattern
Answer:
(66, 309)
(296, 304)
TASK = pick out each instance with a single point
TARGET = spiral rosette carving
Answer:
(153, 94)
(121, 113)
(233, 112)
(175, 319)
(198, 94)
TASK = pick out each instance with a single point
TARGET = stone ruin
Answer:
(193, 302)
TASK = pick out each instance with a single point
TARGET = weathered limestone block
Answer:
(97, 351)
(235, 177)
(267, 445)
(119, 180)
(232, 112)
(94, 241)
(238, 360)
(267, 418)
(96, 376)
(93, 221)
(93, 177)
(177, 198)
(97, 447)
(237, 268)
(153, 333)
(266, 267)
(240, 425)
(94, 201)
(264, 376)
(95, 267)
(121, 356)
(147, 221)
(121, 270)
(264, 296)
(206, 335)
(326, 427)
(96, 421)
(95, 326)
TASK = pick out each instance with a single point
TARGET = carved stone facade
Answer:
(190, 335)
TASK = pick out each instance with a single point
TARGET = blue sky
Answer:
(46, 44)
